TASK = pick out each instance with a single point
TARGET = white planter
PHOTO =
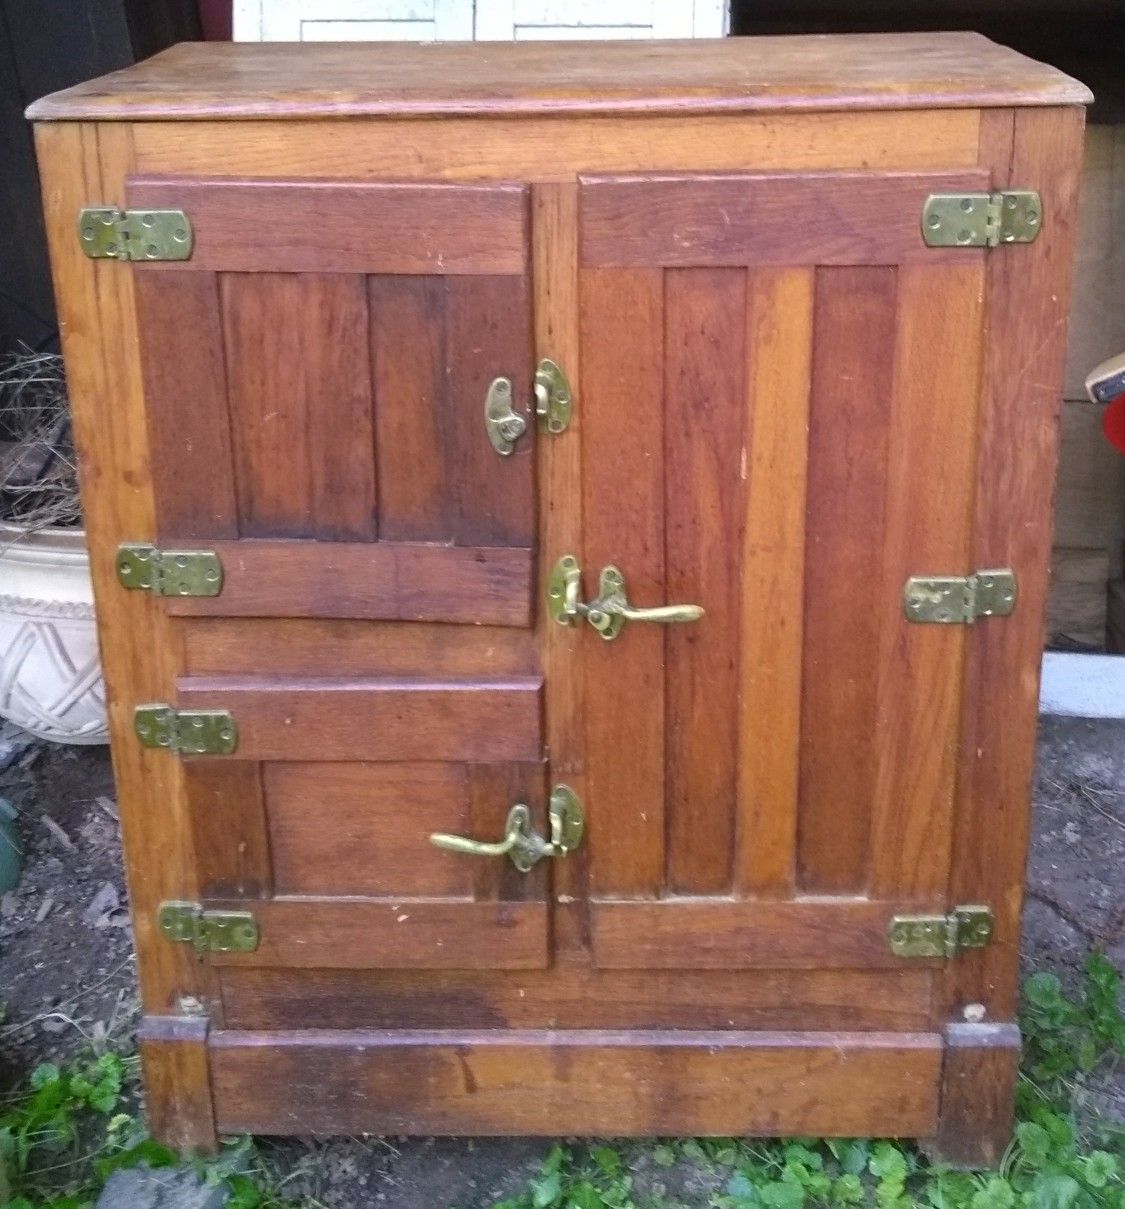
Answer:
(50, 674)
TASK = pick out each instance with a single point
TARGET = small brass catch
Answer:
(554, 402)
(611, 610)
(521, 844)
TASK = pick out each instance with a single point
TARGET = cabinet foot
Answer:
(178, 1082)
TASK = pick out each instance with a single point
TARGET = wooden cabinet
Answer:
(795, 904)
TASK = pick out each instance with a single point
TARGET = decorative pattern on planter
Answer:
(50, 675)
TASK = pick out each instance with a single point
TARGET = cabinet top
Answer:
(395, 79)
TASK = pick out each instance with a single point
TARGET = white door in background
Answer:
(482, 20)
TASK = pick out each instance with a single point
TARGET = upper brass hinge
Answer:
(981, 220)
(169, 572)
(968, 927)
(209, 931)
(960, 599)
(108, 233)
(187, 732)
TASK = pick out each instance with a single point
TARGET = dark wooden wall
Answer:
(46, 45)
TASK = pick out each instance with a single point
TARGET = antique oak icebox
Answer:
(570, 526)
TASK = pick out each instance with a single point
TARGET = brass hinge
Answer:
(187, 732)
(169, 572)
(940, 935)
(107, 233)
(981, 220)
(960, 599)
(209, 931)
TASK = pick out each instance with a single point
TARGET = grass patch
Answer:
(65, 1132)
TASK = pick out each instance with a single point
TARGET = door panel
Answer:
(325, 438)
(781, 430)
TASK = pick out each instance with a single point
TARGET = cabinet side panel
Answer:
(1026, 296)
(86, 165)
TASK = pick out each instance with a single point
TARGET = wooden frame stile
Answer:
(977, 993)
(98, 326)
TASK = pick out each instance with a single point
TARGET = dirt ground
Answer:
(67, 973)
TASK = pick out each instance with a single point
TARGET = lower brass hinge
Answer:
(967, 927)
(169, 572)
(960, 599)
(209, 931)
(187, 732)
(107, 233)
(981, 220)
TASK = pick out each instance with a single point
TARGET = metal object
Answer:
(187, 732)
(502, 422)
(960, 599)
(209, 931)
(981, 220)
(521, 845)
(169, 572)
(611, 610)
(1106, 381)
(107, 233)
(554, 402)
(968, 927)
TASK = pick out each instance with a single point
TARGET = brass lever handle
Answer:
(523, 847)
(609, 612)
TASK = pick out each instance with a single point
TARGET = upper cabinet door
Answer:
(315, 377)
(779, 393)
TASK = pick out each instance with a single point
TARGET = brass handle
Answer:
(523, 847)
(609, 612)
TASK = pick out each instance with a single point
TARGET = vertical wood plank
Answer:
(488, 335)
(554, 233)
(622, 317)
(99, 334)
(228, 815)
(704, 448)
(850, 407)
(298, 379)
(178, 1082)
(779, 356)
(930, 472)
(189, 430)
(1026, 295)
(407, 318)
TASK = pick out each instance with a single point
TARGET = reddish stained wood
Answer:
(735, 219)
(298, 377)
(488, 335)
(1026, 306)
(317, 226)
(346, 829)
(232, 846)
(396, 933)
(412, 424)
(384, 581)
(299, 646)
(850, 406)
(930, 466)
(622, 320)
(382, 719)
(704, 448)
(713, 933)
(186, 406)
(579, 997)
(643, 1083)
(178, 1082)
(779, 355)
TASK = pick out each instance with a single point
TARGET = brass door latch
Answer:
(521, 844)
(611, 610)
(554, 401)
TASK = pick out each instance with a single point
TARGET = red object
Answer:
(215, 17)
(1113, 423)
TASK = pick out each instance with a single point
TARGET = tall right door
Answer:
(780, 383)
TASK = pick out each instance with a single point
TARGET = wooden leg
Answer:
(178, 1082)
(978, 1088)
